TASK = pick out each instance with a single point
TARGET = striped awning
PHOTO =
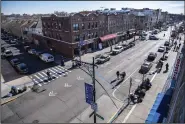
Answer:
(108, 37)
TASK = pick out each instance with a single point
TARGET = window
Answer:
(83, 26)
(83, 36)
(75, 27)
(60, 37)
(92, 35)
(89, 35)
(77, 38)
(93, 25)
(96, 34)
(89, 25)
(96, 25)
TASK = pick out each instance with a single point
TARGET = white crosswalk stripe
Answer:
(56, 72)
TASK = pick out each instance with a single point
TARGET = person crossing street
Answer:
(48, 74)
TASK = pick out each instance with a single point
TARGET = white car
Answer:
(13, 41)
(32, 51)
(117, 50)
(46, 57)
(8, 53)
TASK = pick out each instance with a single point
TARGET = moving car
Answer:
(161, 49)
(167, 43)
(152, 56)
(46, 57)
(22, 68)
(7, 53)
(117, 50)
(152, 37)
(32, 51)
(102, 59)
(14, 61)
(145, 67)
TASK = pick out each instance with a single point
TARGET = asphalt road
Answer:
(34, 64)
(69, 100)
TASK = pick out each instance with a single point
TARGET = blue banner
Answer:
(89, 93)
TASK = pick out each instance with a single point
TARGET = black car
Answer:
(131, 44)
(15, 61)
(145, 67)
(152, 56)
(167, 43)
(22, 68)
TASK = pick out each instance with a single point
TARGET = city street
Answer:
(69, 99)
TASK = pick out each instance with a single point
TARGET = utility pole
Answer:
(94, 90)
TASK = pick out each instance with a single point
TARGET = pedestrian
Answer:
(117, 74)
(177, 48)
(48, 74)
(167, 66)
(164, 35)
(179, 45)
(62, 61)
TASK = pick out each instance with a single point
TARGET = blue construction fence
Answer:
(160, 108)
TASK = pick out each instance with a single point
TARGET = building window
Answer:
(83, 36)
(96, 34)
(92, 35)
(77, 38)
(89, 25)
(93, 25)
(89, 35)
(75, 27)
(96, 25)
(83, 26)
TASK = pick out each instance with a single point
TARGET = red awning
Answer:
(108, 37)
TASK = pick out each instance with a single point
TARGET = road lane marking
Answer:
(63, 72)
(122, 83)
(130, 112)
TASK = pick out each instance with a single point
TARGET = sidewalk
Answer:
(105, 109)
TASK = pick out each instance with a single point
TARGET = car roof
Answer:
(46, 54)
(21, 64)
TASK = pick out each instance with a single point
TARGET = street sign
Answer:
(89, 93)
(94, 106)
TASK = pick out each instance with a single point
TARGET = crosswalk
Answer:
(55, 72)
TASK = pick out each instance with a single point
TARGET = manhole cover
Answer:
(36, 121)
(137, 80)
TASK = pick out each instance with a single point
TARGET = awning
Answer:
(89, 41)
(108, 37)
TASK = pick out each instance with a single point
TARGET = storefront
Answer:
(107, 41)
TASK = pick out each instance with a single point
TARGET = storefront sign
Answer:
(176, 67)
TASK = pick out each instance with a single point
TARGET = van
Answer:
(46, 57)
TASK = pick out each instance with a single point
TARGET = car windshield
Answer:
(8, 52)
(50, 57)
(117, 47)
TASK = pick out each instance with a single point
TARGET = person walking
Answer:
(62, 61)
(48, 74)
(167, 66)
(117, 74)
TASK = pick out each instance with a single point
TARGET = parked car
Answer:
(22, 68)
(13, 41)
(161, 49)
(152, 37)
(46, 57)
(102, 59)
(131, 44)
(167, 43)
(144, 33)
(143, 38)
(125, 46)
(8, 53)
(32, 51)
(14, 61)
(145, 67)
(117, 50)
(27, 48)
(152, 56)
